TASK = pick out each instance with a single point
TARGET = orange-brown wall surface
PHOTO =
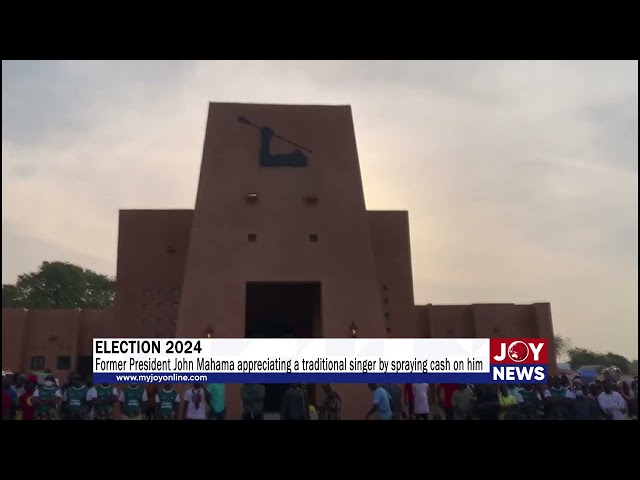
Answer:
(55, 339)
(488, 320)
(152, 249)
(392, 253)
(221, 259)
(184, 272)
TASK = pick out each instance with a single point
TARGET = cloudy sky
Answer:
(521, 178)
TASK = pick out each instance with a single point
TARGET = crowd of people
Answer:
(31, 398)
(561, 399)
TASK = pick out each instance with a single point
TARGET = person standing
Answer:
(133, 400)
(381, 403)
(462, 402)
(167, 403)
(558, 399)
(508, 404)
(421, 401)
(612, 403)
(584, 407)
(531, 407)
(25, 402)
(74, 400)
(47, 400)
(408, 398)
(195, 403)
(444, 394)
(331, 406)
(294, 404)
(252, 395)
(9, 397)
(102, 398)
(217, 403)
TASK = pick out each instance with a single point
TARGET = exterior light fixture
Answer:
(252, 197)
(354, 330)
(209, 332)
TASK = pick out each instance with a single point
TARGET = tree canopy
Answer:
(562, 344)
(60, 285)
(580, 357)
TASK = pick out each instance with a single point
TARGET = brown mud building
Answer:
(280, 243)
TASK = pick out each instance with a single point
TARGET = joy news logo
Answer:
(519, 360)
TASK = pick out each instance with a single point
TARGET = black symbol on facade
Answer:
(296, 158)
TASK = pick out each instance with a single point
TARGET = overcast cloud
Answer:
(521, 178)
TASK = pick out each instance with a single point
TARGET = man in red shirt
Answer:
(25, 403)
(445, 394)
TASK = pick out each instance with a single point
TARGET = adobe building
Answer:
(280, 243)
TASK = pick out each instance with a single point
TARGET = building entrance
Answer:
(282, 310)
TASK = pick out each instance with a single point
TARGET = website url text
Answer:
(174, 378)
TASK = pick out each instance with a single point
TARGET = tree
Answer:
(562, 345)
(60, 285)
(580, 357)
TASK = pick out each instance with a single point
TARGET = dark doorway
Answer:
(281, 310)
(84, 367)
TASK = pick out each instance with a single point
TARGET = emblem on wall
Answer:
(297, 158)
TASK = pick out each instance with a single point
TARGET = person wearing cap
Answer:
(47, 399)
(25, 402)
(74, 400)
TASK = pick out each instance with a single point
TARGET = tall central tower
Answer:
(280, 241)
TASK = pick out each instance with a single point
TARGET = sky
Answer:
(520, 177)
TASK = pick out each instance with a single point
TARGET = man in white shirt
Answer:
(195, 403)
(612, 403)
(421, 400)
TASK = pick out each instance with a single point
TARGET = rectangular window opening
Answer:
(63, 362)
(313, 237)
(252, 237)
(37, 363)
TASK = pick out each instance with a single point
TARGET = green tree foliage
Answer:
(60, 285)
(562, 345)
(580, 357)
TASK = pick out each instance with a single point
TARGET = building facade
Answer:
(280, 243)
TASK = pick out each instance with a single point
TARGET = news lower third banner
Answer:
(296, 360)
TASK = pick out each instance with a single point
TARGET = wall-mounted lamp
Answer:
(252, 197)
(311, 198)
(209, 332)
(354, 330)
